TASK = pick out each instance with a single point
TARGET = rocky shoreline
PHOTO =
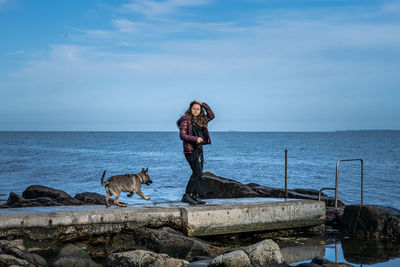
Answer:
(165, 245)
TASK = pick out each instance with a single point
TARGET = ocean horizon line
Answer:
(174, 131)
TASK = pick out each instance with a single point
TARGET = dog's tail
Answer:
(102, 178)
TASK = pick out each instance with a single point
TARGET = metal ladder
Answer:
(336, 183)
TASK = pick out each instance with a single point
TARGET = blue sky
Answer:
(301, 65)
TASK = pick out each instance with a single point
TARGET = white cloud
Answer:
(17, 52)
(155, 8)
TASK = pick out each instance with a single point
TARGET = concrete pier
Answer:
(222, 216)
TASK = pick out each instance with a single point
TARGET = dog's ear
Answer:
(147, 170)
(142, 170)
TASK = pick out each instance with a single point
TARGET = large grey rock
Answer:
(142, 258)
(235, 258)
(9, 260)
(378, 222)
(264, 253)
(170, 242)
(16, 252)
(213, 186)
(72, 255)
(71, 250)
(76, 262)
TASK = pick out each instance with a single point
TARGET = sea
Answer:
(74, 161)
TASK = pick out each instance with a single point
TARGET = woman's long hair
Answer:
(201, 119)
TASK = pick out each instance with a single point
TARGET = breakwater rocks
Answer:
(376, 222)
(38, 195)
(264, 253)
(213, 186)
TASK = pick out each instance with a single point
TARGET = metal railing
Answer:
(336, 182)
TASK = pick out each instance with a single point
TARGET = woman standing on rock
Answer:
(194, 134)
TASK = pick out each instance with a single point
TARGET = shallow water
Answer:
(355, 252)
(75, 161)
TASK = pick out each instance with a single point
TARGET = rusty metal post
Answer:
(286, 194)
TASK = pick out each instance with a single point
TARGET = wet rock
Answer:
(22, 255)
(35, 191)
(378, 222)
(320, 261)
(264, 253)
(143, 258)
(38, 191)
(91, 198)
(170, 242)
(213, 186)
(37, 202)
(14, 198)
(37, 195)
(232, 259)
(334, 216)
(299, 193)
(72, 255)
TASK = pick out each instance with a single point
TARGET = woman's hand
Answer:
(198, 102)
(199, 140)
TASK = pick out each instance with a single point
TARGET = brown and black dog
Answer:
(126, 183)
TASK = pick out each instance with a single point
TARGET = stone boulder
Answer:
(142, 258)
(18, 257)
(235, 258)
(334, 216)
(213, 186)
(37, 195)
(18, 201)
(170, 242)
(265, 253)
(299, 193)
(377, 222)
(72, 255)
(320, 261)
(91, 198)
(37, 191)
(9, 260)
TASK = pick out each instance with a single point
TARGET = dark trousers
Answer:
(195, 160)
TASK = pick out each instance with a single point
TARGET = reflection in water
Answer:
(302, 249)
(352, 251)
(370, 251)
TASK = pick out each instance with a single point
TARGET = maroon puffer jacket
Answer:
(185, 131)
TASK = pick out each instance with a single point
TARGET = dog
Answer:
(126, 183)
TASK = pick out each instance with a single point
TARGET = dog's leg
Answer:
(116, 201)
(130, 194)
(107, 198)
(143, 196)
